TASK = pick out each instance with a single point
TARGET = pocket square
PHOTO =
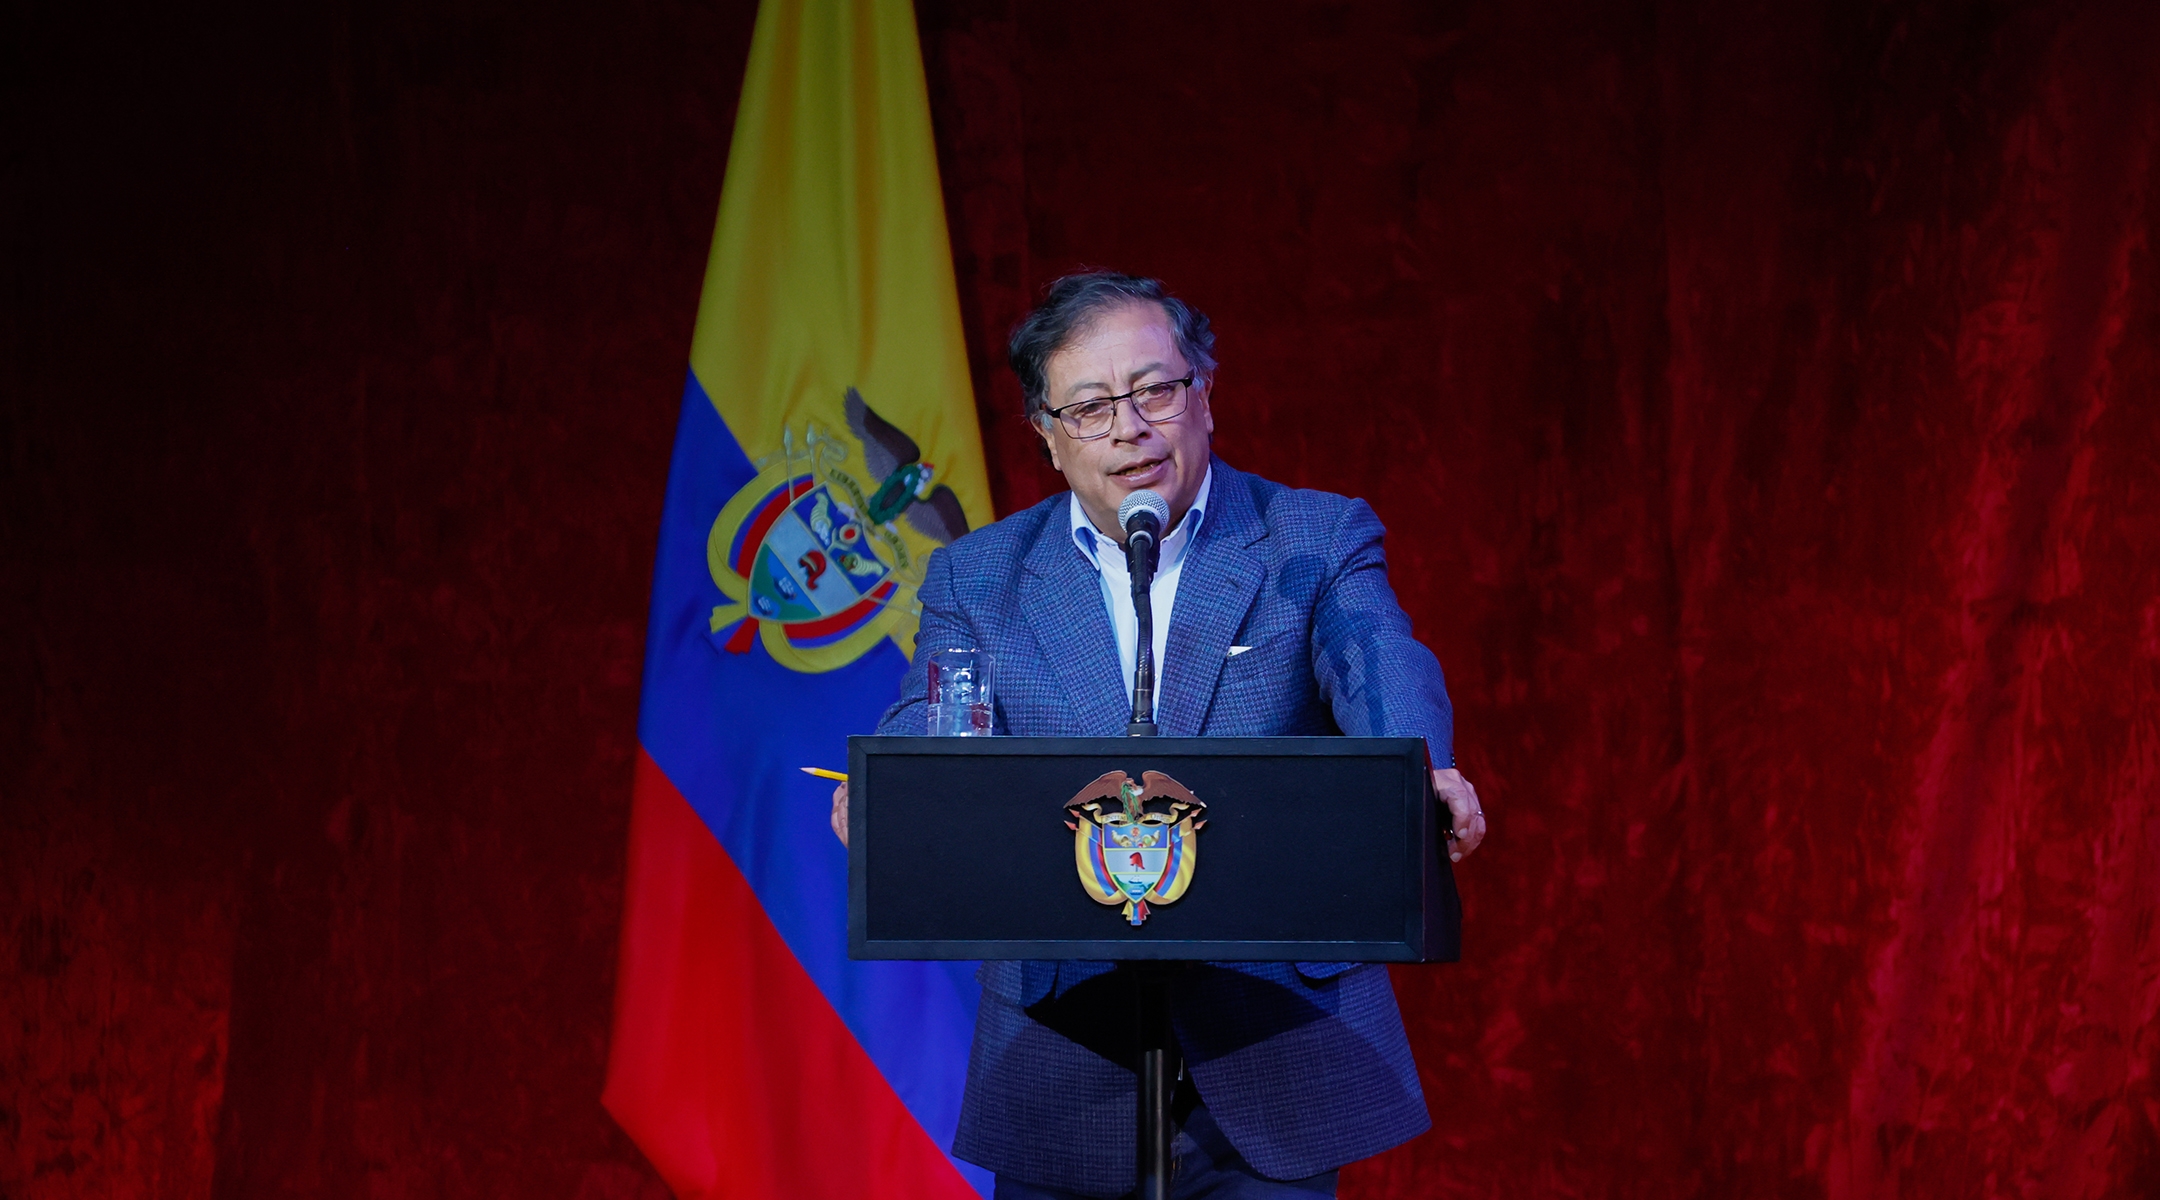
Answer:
(1237, 650)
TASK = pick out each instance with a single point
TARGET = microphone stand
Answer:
(1151, 980)
(1140, 561)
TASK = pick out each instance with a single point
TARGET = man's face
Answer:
(1121, 349)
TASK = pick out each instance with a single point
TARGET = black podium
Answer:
(1319, 849)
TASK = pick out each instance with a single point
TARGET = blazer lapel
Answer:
(1220, 580)
(1061, 596)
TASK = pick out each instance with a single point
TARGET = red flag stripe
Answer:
(729, 1067)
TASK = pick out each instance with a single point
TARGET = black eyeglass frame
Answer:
(1111, 406)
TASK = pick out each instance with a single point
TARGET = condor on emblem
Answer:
(1135, 842)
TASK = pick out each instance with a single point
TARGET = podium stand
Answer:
(1314, 849)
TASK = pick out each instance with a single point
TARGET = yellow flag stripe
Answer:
(830, 265)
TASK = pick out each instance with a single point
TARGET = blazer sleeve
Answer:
(1379, 680)
(943, 624)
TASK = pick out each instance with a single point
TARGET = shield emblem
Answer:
(796, 559)
(1135, 856)
(813, 561)
(1135, 843)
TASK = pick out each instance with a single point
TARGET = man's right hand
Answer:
(839, 812)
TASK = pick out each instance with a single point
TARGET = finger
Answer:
(1469, 818)
(1464, 809)
(1451, 787)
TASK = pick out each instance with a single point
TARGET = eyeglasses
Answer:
(1153, 403)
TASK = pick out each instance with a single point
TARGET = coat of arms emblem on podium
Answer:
(1135, 842)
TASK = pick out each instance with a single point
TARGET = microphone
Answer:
(1142, 517)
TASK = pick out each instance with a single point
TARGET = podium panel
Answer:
(1319, 849)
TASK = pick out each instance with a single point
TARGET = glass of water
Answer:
(960, 695)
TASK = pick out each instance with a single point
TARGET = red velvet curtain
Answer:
(1760, 398)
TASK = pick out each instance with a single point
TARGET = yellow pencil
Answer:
(822, 773)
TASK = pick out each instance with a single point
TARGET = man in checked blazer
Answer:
(1273, 616)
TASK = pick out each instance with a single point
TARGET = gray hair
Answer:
(1074, 301)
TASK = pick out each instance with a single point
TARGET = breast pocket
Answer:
(1259, 649)
(1266, 688)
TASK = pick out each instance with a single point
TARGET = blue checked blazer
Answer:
(1305, 1066)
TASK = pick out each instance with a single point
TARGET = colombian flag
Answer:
(828, 443)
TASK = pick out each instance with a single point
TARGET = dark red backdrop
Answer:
(1761, 398)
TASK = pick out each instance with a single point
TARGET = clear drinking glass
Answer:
(960, 695)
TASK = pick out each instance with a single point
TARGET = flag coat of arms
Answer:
(828, 442)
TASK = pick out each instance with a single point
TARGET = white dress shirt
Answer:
(1108, 558)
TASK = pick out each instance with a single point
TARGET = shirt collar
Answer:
(1088, 538)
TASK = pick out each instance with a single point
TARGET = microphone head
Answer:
(1143, 502)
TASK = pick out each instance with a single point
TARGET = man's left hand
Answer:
(1462, 802)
